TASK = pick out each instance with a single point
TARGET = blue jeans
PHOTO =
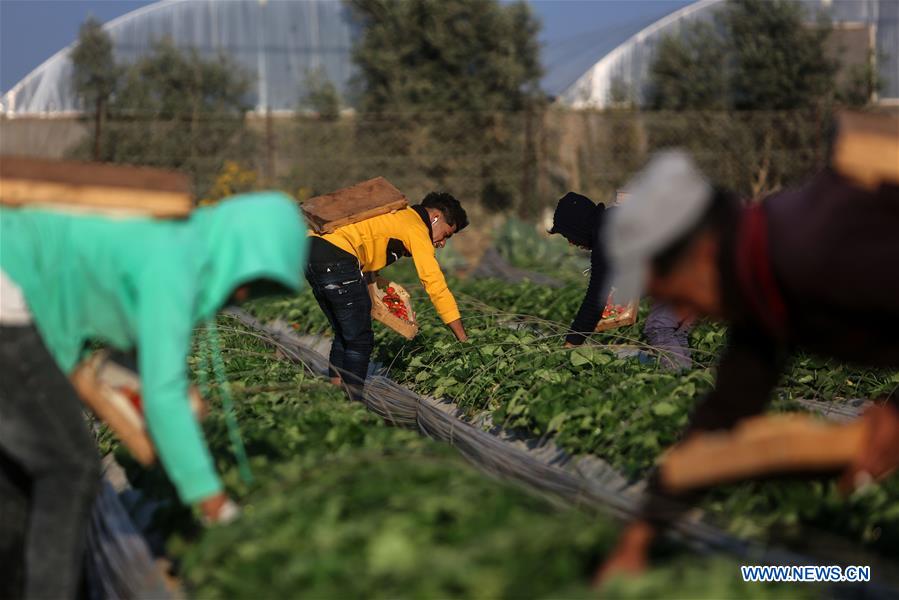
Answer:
(342, 294)
(49, 471)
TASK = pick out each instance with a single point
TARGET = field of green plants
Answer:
(344, 505)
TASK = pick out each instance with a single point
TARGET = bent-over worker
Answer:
(582, 223)
(132, 283)
(783, 274)
(339, 262)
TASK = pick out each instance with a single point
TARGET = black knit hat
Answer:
(575, 219)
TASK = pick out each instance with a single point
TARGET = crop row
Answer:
(593, 402)
(343, 505)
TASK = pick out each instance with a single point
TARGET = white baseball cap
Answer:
(666, 200)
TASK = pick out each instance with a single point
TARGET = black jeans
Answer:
(342, 293)
(49, 469)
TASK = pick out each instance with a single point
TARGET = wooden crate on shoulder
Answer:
(353, 204)
(758, 447)
(866, 148)
(381, 312)
(113, 190)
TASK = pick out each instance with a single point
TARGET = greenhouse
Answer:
(871, 24)
(279, 43)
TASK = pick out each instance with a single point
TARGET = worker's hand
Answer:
(880, 454)
(569, 345)
(629, 556)
(218, 509)
(458, 330)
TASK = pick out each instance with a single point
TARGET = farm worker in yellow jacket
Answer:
(338, 260)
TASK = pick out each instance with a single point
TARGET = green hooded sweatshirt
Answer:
(145, 284)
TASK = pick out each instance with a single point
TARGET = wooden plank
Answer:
(94, 187)
(761, 446)
(866, 149)
(365, 214)
(353, 204)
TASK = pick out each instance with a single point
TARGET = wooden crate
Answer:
(353, 204)
(866, 148)
(107, 388)
(380, 312)
(94, 188)
(761, 446)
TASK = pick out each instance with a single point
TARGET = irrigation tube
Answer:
(540, 467)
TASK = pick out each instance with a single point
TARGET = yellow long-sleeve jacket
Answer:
(373, 241)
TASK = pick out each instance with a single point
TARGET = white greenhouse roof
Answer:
(629, 61)
(278, 42)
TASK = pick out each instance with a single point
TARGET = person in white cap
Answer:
(783, 274)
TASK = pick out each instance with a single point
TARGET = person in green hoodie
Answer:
(130, 284)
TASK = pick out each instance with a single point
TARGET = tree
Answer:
(447, 86)
(751, 94)
(780, 63)
(688, 72)
(321, 95)
(174, 109)
(95, 74)
(756, 55)
(862, 83)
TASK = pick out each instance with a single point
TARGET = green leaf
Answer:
(556, 422)
(601, 357)
(580, 357)
(664, 409)
(583, 355)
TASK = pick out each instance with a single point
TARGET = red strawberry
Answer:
(133, 397)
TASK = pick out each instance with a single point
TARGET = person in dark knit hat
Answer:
(578, 219)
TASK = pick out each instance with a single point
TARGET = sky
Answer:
(575, 33)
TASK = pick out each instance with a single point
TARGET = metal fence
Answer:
(519, 161)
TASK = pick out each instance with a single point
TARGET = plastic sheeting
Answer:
(629, 62)
(276, 41)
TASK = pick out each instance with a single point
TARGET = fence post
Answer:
(269, 148)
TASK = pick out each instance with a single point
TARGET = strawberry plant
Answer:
(592, 401)
(344, 505)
